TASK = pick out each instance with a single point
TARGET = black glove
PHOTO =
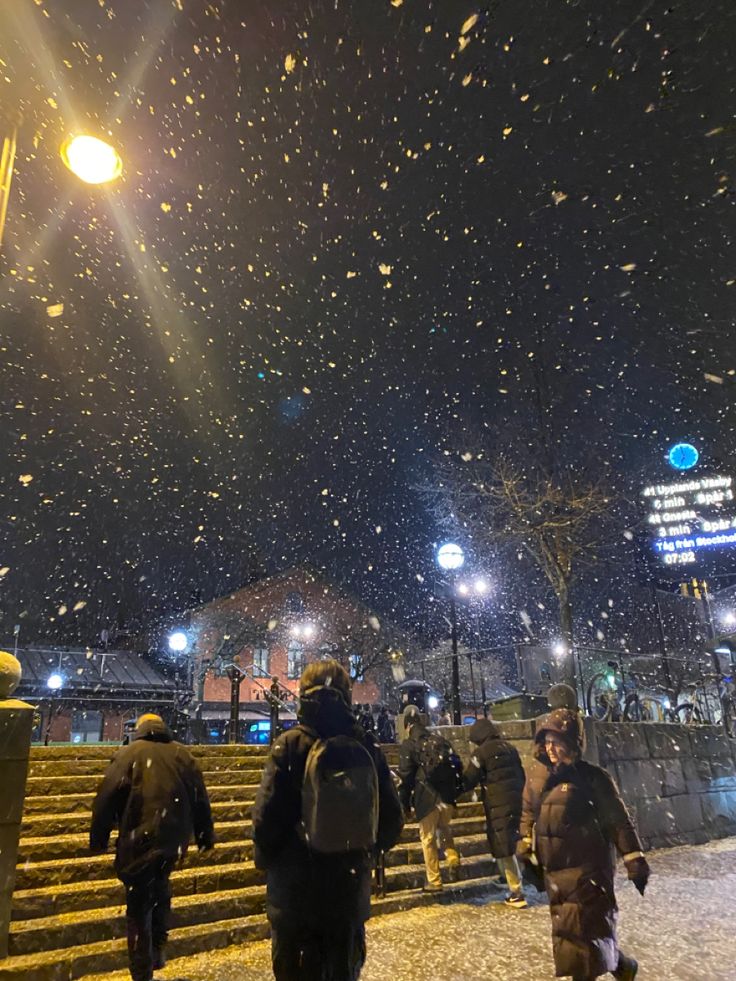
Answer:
(638, 872)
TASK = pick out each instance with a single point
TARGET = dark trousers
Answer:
(335, 952)
(148, 896)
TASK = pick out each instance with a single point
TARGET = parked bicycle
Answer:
(608, 700)
(709, 705)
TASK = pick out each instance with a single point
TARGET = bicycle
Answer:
(698, 710)
(605, 697)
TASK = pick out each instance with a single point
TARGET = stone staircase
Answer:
(68, 908)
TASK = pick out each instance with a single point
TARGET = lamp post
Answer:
(54, 683)
(476, 589)
(450, 558)
(7, 161)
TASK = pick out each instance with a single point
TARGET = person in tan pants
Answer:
(433, 805)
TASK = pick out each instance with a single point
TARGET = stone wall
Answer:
(678, 782)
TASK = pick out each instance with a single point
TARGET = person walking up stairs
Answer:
(431, 782)
(496, 766)
(326, 805)
(154, 792)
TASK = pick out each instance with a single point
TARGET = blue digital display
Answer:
(683, 456)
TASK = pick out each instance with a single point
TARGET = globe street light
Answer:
(54, 681)
(450, 558)
(91, 159)
(178, 642)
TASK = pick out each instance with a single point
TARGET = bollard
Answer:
(16, 724)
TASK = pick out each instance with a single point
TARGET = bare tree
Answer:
(557, 518)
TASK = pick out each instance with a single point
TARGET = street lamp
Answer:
(178, 642)
(92, 160)
(303, 631)
(54, 681)
(450, 558)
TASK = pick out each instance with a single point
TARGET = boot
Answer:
(626, 969)
(159, 958)
(139, 954)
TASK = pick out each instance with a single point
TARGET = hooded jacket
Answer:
(303, 886)
(496, 766)
(414, 790)
(581, 822)
(154, 792)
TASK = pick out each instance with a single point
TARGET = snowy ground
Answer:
(683, 930)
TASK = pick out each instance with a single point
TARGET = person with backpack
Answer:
(581, 822)
(496, 766)
(431, 781)
(154, 792)
(325, 808)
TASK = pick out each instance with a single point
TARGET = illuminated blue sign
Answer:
(683, 456)
(690, 516)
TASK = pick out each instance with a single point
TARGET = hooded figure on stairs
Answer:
(154, 793)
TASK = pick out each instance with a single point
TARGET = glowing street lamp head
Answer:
(481, 586)
(92, 160)
(178, 641)
(463, 589)
(450, 556)
(54, 681)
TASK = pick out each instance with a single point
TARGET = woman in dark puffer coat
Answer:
(580, 820)
(496, 766)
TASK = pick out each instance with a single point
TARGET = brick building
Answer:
(273, 628)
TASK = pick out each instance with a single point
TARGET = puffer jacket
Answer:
(496, 766)
(581, 824)
(154, 792)
(303, 886)
(414, 789)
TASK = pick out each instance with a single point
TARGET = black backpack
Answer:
(443, 768)
(339, 797)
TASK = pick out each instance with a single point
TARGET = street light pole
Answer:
(450, 558)
(456, 711)
(7, 163)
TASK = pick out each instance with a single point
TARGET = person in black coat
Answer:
(154, 792)
(317, 903)
(385, 727)
(581, 822)
(496, 766)
(434, 815)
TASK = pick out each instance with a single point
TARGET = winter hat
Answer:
(566, 724)
(325, 674)
(481, 730)
(562, 696)
(147, 719)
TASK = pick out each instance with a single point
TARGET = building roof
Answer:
(98, 672)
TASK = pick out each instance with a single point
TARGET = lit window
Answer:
(294, 659)
(261, 662)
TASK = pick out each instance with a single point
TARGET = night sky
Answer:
(344, 233)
